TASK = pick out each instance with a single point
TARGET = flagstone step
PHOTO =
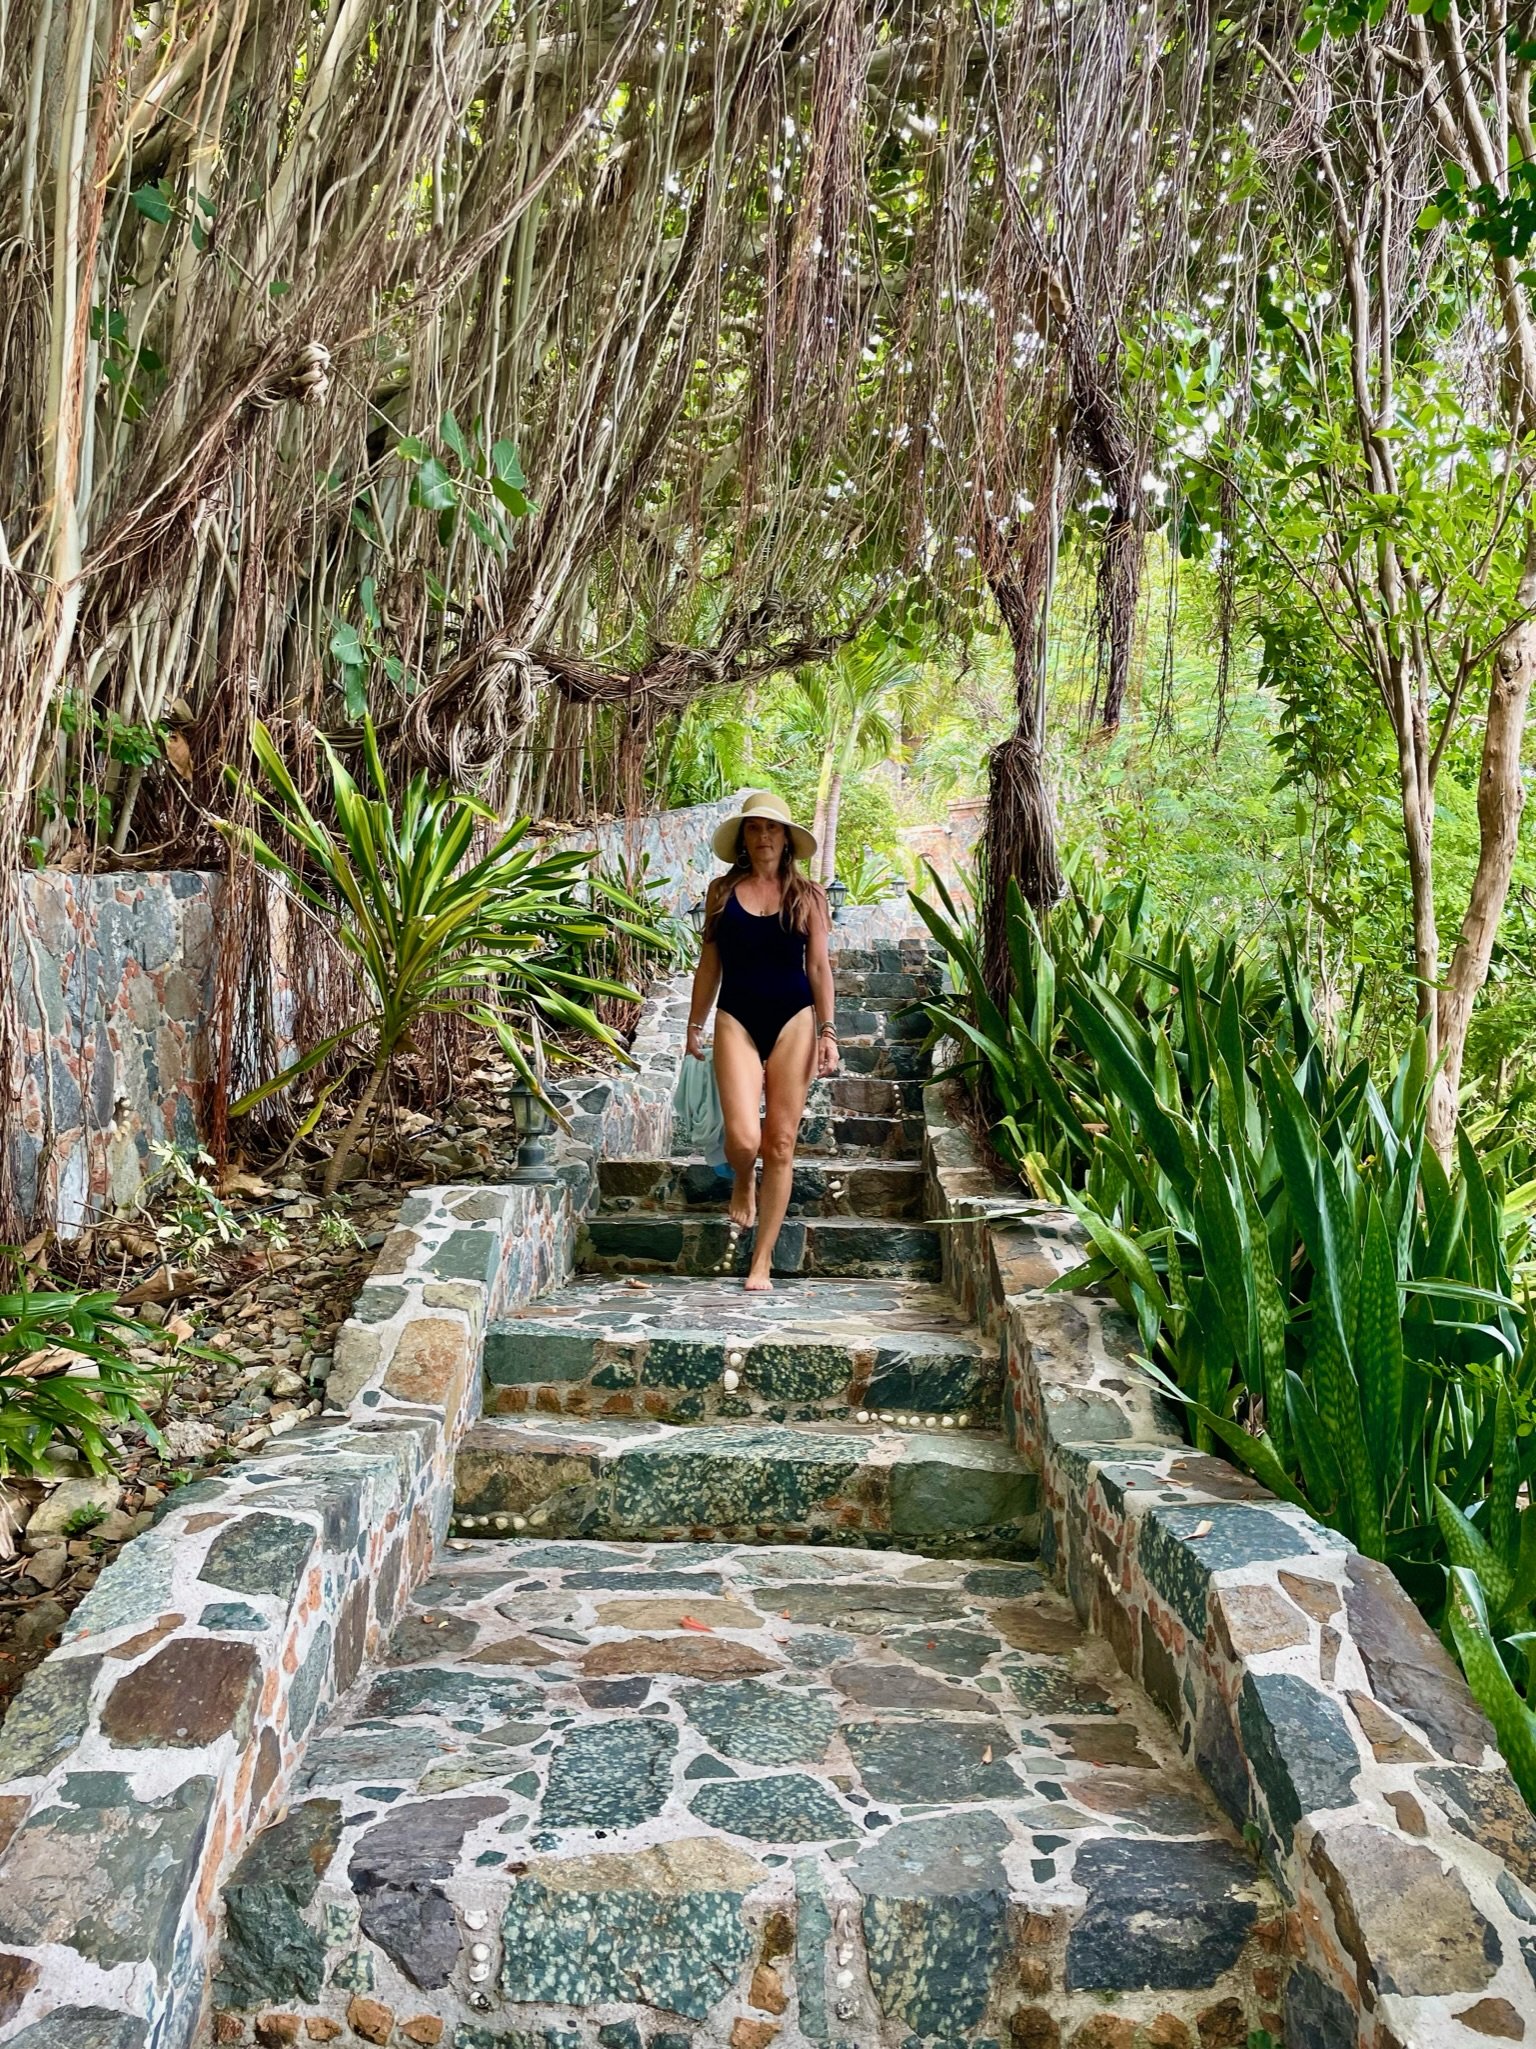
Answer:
(886, 1059)
(907, 974)
(868, 1095)
(659, 1241)
(703, 1797)
(873, 1018)
(857, 1188)
(886, 1137)
(666, 1347)
(932, 1489)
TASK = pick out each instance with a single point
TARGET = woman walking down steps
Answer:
(765, 957)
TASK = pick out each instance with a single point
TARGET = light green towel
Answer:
(697, 1123)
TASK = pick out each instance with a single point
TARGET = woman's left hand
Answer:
(826, 1054)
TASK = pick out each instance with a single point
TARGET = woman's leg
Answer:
(739, 1078)
(787, 1077)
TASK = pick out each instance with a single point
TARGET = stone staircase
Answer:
(739, 1710)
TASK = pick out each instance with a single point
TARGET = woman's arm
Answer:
(818, 969)
(706, 984)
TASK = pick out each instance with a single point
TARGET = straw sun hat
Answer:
(761, 804)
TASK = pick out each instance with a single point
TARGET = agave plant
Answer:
(67, 1371)
(872, 878)
(430, 927)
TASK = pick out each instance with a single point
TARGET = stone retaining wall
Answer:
(628, 1115)
(111, 975)
(166, 1728)
(675, 844)
(1323, 1711)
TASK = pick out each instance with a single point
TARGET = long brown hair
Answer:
(798, 894)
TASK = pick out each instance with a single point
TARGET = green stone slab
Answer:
(260, 1554)
(730, 1475)
(661, 1928)
(47, 1717)
(785, 1807)
(470, 1255)
(610, 1775)
(805, 1372)
(1234, 1534)
(935, 1914)
(683, 1362)
(521, 1356)
(934, 1760)
(763, 1724)
(268, 1950)
(937, 1496)
(425, 1690)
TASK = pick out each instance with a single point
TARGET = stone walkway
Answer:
(750, 1794)
(737, 1712)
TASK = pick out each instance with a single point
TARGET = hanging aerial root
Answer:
(1020, 845)
(470, 719)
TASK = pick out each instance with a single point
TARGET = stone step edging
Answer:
(1323, 1711)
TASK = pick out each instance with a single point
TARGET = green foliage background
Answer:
(1271, 810)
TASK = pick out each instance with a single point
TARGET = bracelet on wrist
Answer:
(827, 1030)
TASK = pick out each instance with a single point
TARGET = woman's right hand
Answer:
(695, 1041)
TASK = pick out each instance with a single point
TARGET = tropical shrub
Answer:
(68, 1371)
(430, 926)
(650, 934)
(870, 877)
(1035, 1084)
(1332, 1307)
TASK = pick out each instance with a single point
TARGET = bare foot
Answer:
(742, 1207)
(757, 1284)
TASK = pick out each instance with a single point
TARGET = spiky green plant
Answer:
(430, 927)
(1330, 1305)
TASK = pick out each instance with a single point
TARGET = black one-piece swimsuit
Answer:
(763, 983)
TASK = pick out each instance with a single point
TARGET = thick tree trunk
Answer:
(1500, 802)
(1020, 841)
(1119, 593)
(829, 842)
(823, 796)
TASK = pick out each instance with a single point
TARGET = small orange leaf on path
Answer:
(703, 1628)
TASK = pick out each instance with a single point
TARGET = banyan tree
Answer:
(494, 367)
(519, 372)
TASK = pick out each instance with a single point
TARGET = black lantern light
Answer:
(530, 1113)
(696, 917)
(837, 895)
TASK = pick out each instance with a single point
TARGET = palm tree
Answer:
(849, 703)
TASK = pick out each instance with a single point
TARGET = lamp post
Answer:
(837, 896)
(696, 917)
